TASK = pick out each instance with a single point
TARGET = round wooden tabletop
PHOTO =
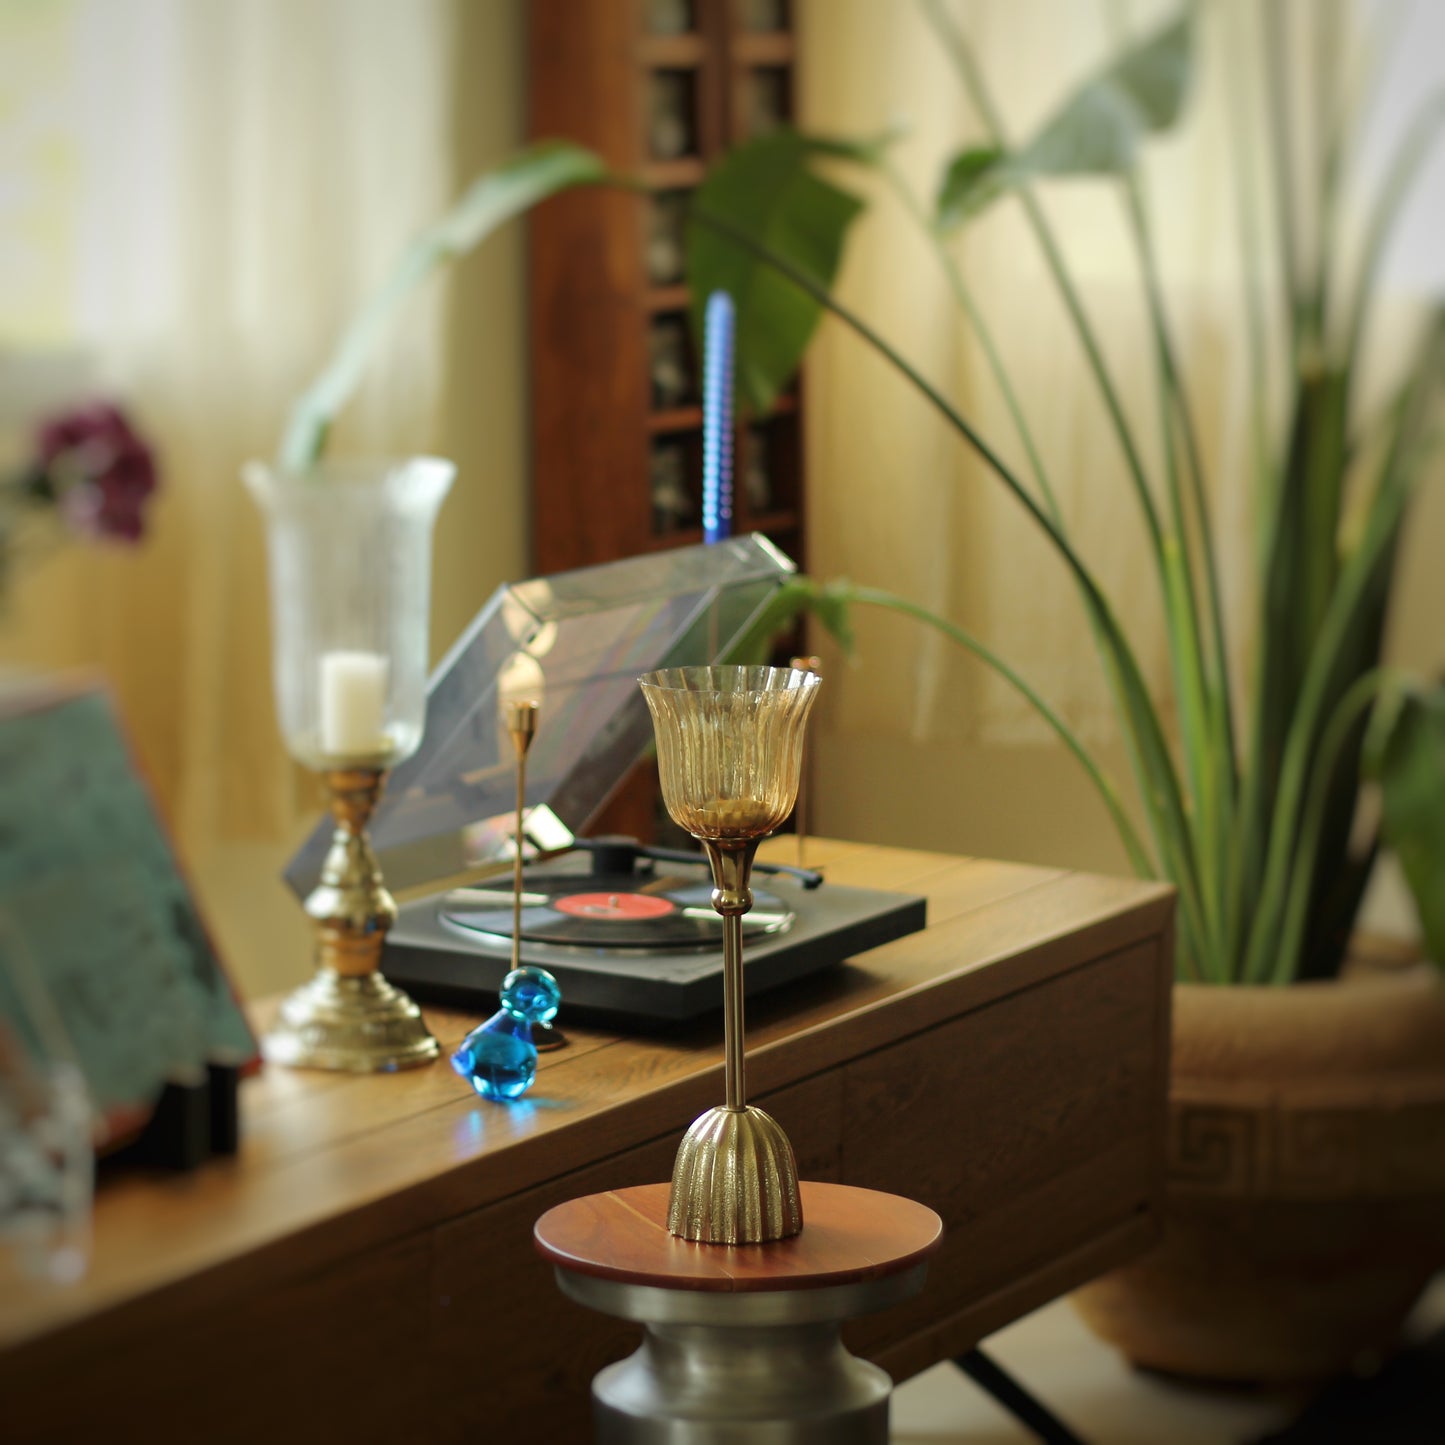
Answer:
(849, 1235)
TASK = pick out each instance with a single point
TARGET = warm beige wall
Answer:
(1028, 803)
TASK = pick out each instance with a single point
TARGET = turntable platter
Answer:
(594, 911)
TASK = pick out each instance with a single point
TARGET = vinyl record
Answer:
(590, 911)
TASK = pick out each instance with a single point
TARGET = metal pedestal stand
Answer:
(741, 1343)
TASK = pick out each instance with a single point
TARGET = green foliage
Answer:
(492, 199)
(771, 192)
(827, 601)
(1254, 831)
(1408, 755)
(975, 177)
(1098, 130)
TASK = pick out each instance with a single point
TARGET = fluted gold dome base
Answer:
(735, 1180)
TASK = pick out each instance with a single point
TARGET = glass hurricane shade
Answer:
(729, 746)
(349, 544)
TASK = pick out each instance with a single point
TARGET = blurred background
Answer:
(197, 195)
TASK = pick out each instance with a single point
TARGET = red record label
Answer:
(621, 907)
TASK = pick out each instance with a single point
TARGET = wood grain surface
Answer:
(849, 1235)
(1005, 1068)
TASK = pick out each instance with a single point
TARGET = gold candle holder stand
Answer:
(729, 747)
(348, 1017)
(735, 1178)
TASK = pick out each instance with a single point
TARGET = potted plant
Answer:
(1306, 1156)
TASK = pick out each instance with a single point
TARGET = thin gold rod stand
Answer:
(521, 718)
(349, 1017)
(735, 1083)
(522, 725)
(735, 1179)
(732, 867)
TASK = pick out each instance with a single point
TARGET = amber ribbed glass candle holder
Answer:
(729, 745)
(729, 755)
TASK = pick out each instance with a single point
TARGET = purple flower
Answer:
(98, 469)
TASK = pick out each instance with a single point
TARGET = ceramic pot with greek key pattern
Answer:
(1305, 1181)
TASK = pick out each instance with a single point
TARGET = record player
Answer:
(625, 930)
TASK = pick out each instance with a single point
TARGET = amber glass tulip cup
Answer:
(729, 753)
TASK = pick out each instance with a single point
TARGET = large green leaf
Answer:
(767, 192)
(1096, 132)
(1411, 764)
(490, 201)
(827, 601)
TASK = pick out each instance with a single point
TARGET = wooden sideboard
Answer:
(363, 1270)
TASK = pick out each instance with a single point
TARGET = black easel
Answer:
(1024, 1407)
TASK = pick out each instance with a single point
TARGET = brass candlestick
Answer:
(350, 562)
(348, 1016)
(729, 746)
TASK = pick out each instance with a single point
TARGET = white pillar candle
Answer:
(353, 704)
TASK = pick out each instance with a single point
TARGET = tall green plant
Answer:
(1255, 829)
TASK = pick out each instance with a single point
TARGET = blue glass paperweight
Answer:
(499, 1059)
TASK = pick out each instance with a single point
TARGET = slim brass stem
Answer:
(522, 724)
(517, 864)
(731, 861)
(734, 1075)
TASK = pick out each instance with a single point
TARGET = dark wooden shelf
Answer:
(682, 537)
(782, 520)
(765, 48)
(672, 52)
(775, 524)
(597, 437)
(678, 418)
(676, 175)
(667, 298)
(687, 418)
(785, 405)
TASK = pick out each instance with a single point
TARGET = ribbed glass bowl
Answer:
(729, 745)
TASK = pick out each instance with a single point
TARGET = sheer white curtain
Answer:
(236, 176)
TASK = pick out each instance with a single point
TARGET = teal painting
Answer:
(94, 909)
